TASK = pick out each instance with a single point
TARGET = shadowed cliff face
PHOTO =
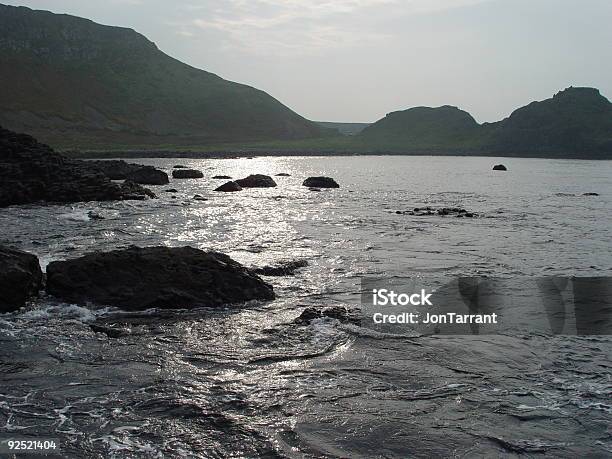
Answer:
(111, 85)
(576, 122)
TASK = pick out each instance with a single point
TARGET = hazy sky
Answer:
(356, 60)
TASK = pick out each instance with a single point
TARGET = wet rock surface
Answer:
(339, 313)
(256, 181)
(187, 174)
(137, 173)
(155, 277)
(228, 187)
(20, 278)
(282, 269)
(440, 211)
(320, 182)
(31, 172)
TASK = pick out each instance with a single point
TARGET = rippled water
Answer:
(248, 382)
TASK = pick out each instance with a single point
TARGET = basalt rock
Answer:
(20, 278)
(320, 182)
(187, 174)
(229, 187)
(32, 172)
(134, 191)
(283, 269)
(499, 167)
(155, 277)
(137, 173)
(339, 313)
(256, 181)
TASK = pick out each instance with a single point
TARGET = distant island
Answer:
(99, 91)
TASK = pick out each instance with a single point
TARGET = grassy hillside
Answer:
(77, 84)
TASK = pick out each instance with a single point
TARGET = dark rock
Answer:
(171, 190)
(187, 174)
(283, 174)
(32, 172)
(339, 313)
(499, 167)
(222, 177)
(180, 166)
(155, 277)
(256, 181)
(442, 212)
(137, 173)
(229, 186)
(111, 332)
(199, 197)
(283, 269)
(134, 191)
(314, 189)
(590, 194)
(20, 278)
(94, 215)
(320, 182)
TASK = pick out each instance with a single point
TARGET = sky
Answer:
(356, 60)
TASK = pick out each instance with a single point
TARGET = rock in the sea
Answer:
(117, 169)
(32, 172)
(20, 278)
(180, 166)
(320, 182)
(256, 181)
(283, 174)
(222, 177)
(187, 174)
(442, 211)
(134, 191)
(339, 313)
(171, 190)
(199, 197)
(155, 277)
(499, 167)
(590, 194)
(283, 269)
(229, 186)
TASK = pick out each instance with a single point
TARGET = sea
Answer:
(252, 381)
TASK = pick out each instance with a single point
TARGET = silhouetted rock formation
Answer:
(499, 167)
(20, 278)
(229, 187)
(32, 172)
(256, 181)
(187, 174)
(320, 182)
(137, 173)
(155, 277)
(219, 177)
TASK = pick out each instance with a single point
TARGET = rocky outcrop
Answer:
(32, 172)
(283, 269)
(256, 181)
(20, 278)
(155, 277)
(117, 169)
(499, 167)
(187, 174)
(134, 191)
(320, 182)
(229, 187)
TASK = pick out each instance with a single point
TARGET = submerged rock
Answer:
(229, 187)
(199, 197)
(187, 174)
(180, 166)
(320, 182)
(256, 181)
(442, 211)
(283, 174)
(117, 169)
(590, 194)
(339, 313)
(499, 167)
(171, 190)
(283, 269)
(223, 177)
(32, 172)
(155, 277)
(20, 278)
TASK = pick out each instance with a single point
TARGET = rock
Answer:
(229, 186)
(590, 194)
(442, 211)
(93, 215)
(180, 166)
(499, 167)
(137, 173)
(199, 197)
(111, 332)
(339, 313)
(171, 190)
(283, 269)
(283, 174)
(134, 191)
(320, 182)
(187, 174)
(224, 177)
(32, 172)
(155, 277)
(314, 189)
(20, 278)
(256, 181)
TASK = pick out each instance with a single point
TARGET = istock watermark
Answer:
(480, 305)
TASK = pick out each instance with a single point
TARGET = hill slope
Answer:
(72, 82)
(576, 122)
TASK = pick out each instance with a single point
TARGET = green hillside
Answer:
(73, 83)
